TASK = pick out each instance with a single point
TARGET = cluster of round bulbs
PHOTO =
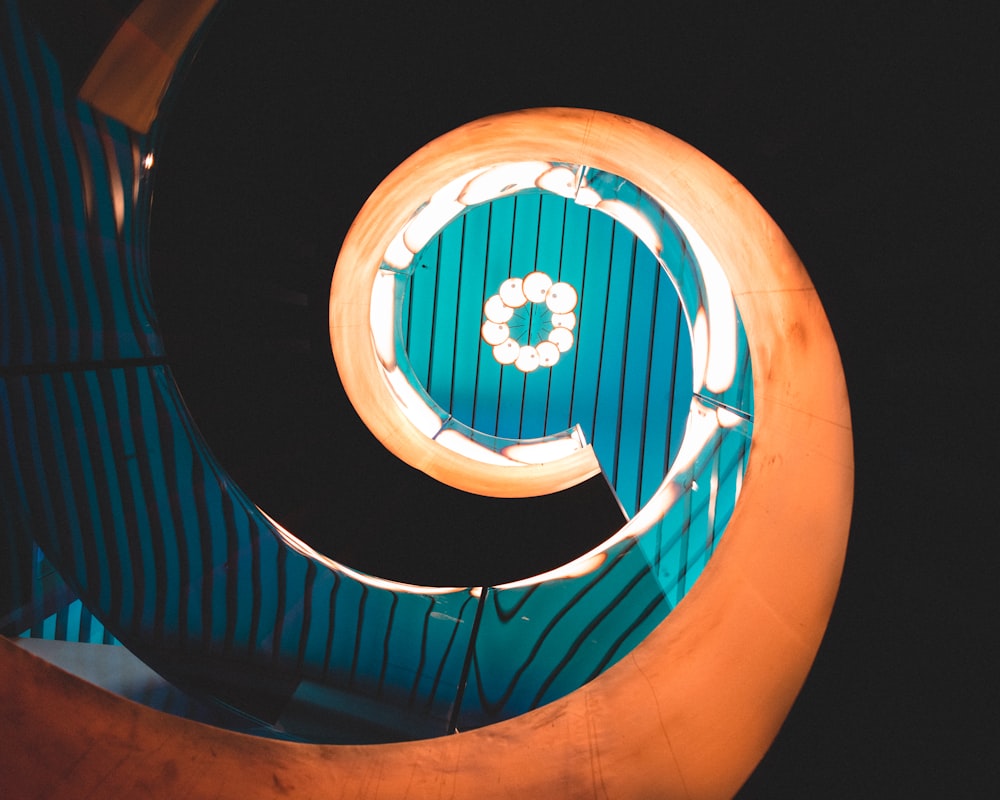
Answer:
(560, 298)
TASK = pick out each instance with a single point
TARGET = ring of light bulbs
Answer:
(536, 288)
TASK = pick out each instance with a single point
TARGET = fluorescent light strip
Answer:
(721, 357)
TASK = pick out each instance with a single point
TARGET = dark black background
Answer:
(867, 133)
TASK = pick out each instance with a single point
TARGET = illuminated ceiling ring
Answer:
(399, 410)
(537, 289)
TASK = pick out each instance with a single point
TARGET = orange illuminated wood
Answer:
(692, 709)
(129, 79)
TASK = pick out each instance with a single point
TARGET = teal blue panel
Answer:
(524, 251)
(441, 373)
(468, 342)
(635, 407)
(606, 421)
(537, 384)
(419, 310)
(551, 235)
(593, 307)
(669, 391)
(498, 266)
(575, 241)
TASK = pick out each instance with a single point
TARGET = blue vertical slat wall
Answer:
(475, 231)
(498, 261)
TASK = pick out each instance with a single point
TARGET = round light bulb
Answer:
(527, 359)
(567, 320)
(495, 333)
(561, 298)
(535, 285)
(561, 338)
(496, 310)
(548, 353)
(512, 293)
(506, 352)
(558, 180)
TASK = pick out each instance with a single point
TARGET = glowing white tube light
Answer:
(558, 180)
(460, 443)
(424, 418)
(501, 180)
(543, 452)
(382, 318)
(431, 219)
(576, 568)
(699, 349)
(586, 196)
(720, 366)
(397, 254)
(441, 209)
(635, 221)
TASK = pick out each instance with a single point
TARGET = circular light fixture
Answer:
(534, 290)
